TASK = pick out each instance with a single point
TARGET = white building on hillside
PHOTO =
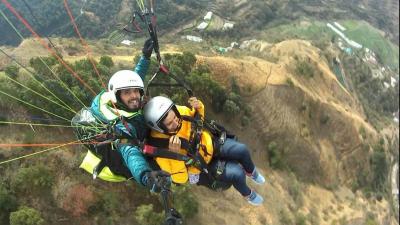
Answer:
(208, 16)
(342, 28)
(247, 43)
(393, 81)
(202, 26)
(386, 84)
(127, 42)
(228, 26)
(342, 35)
(193, 38)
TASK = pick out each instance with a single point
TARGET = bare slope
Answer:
(316, 124)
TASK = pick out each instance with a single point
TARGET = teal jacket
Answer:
(132, 155)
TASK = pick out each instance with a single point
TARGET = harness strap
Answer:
(164, 153)
(164, 143)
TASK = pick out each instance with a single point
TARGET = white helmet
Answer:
(156, 110)
(125, 79)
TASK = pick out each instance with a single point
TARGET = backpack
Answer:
(102, 159)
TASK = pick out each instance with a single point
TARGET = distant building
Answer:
(339, 26)
(350, 42)
(396, 116)
(349, 51)
(193, 38)
(222, 50)
(228, 26)
(386, 84)
(393, 81)
(127, 42)
(354, 44)
(208, 16)
(247, 43)
(234, 44)
(202, 26)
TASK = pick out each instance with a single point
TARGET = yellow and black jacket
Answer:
(178, 169)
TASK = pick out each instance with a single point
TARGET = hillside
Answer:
(316, 125)
(100, 18)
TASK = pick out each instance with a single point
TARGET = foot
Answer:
(254, 198)
(257, 177)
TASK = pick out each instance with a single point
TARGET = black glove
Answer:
(156, 180)
(147, 49)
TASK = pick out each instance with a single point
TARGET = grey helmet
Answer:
(156, 110)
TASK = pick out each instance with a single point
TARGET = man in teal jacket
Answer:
(122, 105)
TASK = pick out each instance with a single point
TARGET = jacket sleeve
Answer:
(135, 161)
(142, 66)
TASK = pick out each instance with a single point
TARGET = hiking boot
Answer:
(254, 198)
(257, 177)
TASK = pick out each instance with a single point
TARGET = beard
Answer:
(133, 104)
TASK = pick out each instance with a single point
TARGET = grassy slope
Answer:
(372, 38)
(358, 31)
(300, 29)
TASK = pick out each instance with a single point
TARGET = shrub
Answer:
(363, 132)
(284, 218)
(245, 121)
(12, 71)
(231, 109)
(300, 219)
(78, 200)
(145, 214)
(106, 61)
(275, 156)
(304, 68)
(26, 216)
(295, 191)
(370, 220)
(8, 203)
(324, 119)
(110, 202)
(379, 168)
(34, 179)
(289, 82)
(185, 202)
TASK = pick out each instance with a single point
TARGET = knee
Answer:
(235, 172)
(242, 149)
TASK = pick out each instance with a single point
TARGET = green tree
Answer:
(145, 214)
(185, 202)
(275, 156)
(231, 109)
(12, 71)
(42, 66)
(8, 203)
(35, 179)
(106, 61)
(304, 68)
(379, 168)
(26, 216)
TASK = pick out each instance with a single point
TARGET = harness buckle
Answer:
(199, 123)
(220, 168)
(222, 138)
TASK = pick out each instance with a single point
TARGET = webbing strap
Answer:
(164, 142)
(164, 153)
